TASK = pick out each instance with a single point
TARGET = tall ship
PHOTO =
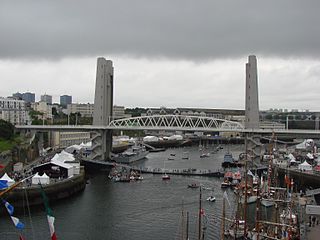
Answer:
(133, 154)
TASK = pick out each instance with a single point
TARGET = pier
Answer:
(183, 172)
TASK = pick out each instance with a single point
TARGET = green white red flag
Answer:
(50, 216)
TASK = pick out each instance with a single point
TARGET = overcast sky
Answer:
(165, 53)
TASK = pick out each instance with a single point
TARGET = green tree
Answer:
(6, 130)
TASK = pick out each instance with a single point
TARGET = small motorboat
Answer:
(165, 177)
(211, 199)
(193, 185)
(204, 155)
(225, 184)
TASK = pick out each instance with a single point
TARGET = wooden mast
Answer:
(187, 230)
(245, 188)
(200, 213)
(223, 218)
(258, 211)
(182, 222)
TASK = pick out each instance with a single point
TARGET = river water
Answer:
(150, 209)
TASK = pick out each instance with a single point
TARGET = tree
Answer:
(6, 130)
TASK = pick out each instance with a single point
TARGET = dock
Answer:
(184, 172)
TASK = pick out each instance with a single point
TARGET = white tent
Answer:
(37, 179)
(62, 157)
(176, 137)
(306, 143)
(64, 165)
(73, 148)
(305, 166)
(310, 156)
(9, 180)
(86, 145)
(45, 179)
(150, 139)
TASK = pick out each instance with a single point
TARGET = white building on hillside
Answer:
(14, 111)
(86, 110)
(44, 108)
(66, 139)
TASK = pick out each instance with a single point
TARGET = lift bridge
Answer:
(154, 122)
(103, 124)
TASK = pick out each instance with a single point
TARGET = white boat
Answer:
(211, 199)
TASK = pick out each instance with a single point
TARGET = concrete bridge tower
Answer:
(252, 101)
(253, 144)
(103, 107)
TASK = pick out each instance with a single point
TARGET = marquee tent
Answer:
(9, 180)
(305, 166)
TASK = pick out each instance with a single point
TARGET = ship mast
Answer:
(257, 211)
(270, 163)
(187, 230)
(223, 218)
(200, 213)
(246, 188)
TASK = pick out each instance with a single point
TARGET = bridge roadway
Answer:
(87, 128)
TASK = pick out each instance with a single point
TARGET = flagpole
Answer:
(13, 186)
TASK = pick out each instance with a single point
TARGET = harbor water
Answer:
(148, 209)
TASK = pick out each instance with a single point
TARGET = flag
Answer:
(225, 195)
(50, 216)
(9, 207)
(287, 180)
(3, 184)
(202, 212)
(1, 166)
(17, 223)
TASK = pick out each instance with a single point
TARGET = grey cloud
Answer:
(196, 30)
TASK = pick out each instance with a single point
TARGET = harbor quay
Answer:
(56, 190)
